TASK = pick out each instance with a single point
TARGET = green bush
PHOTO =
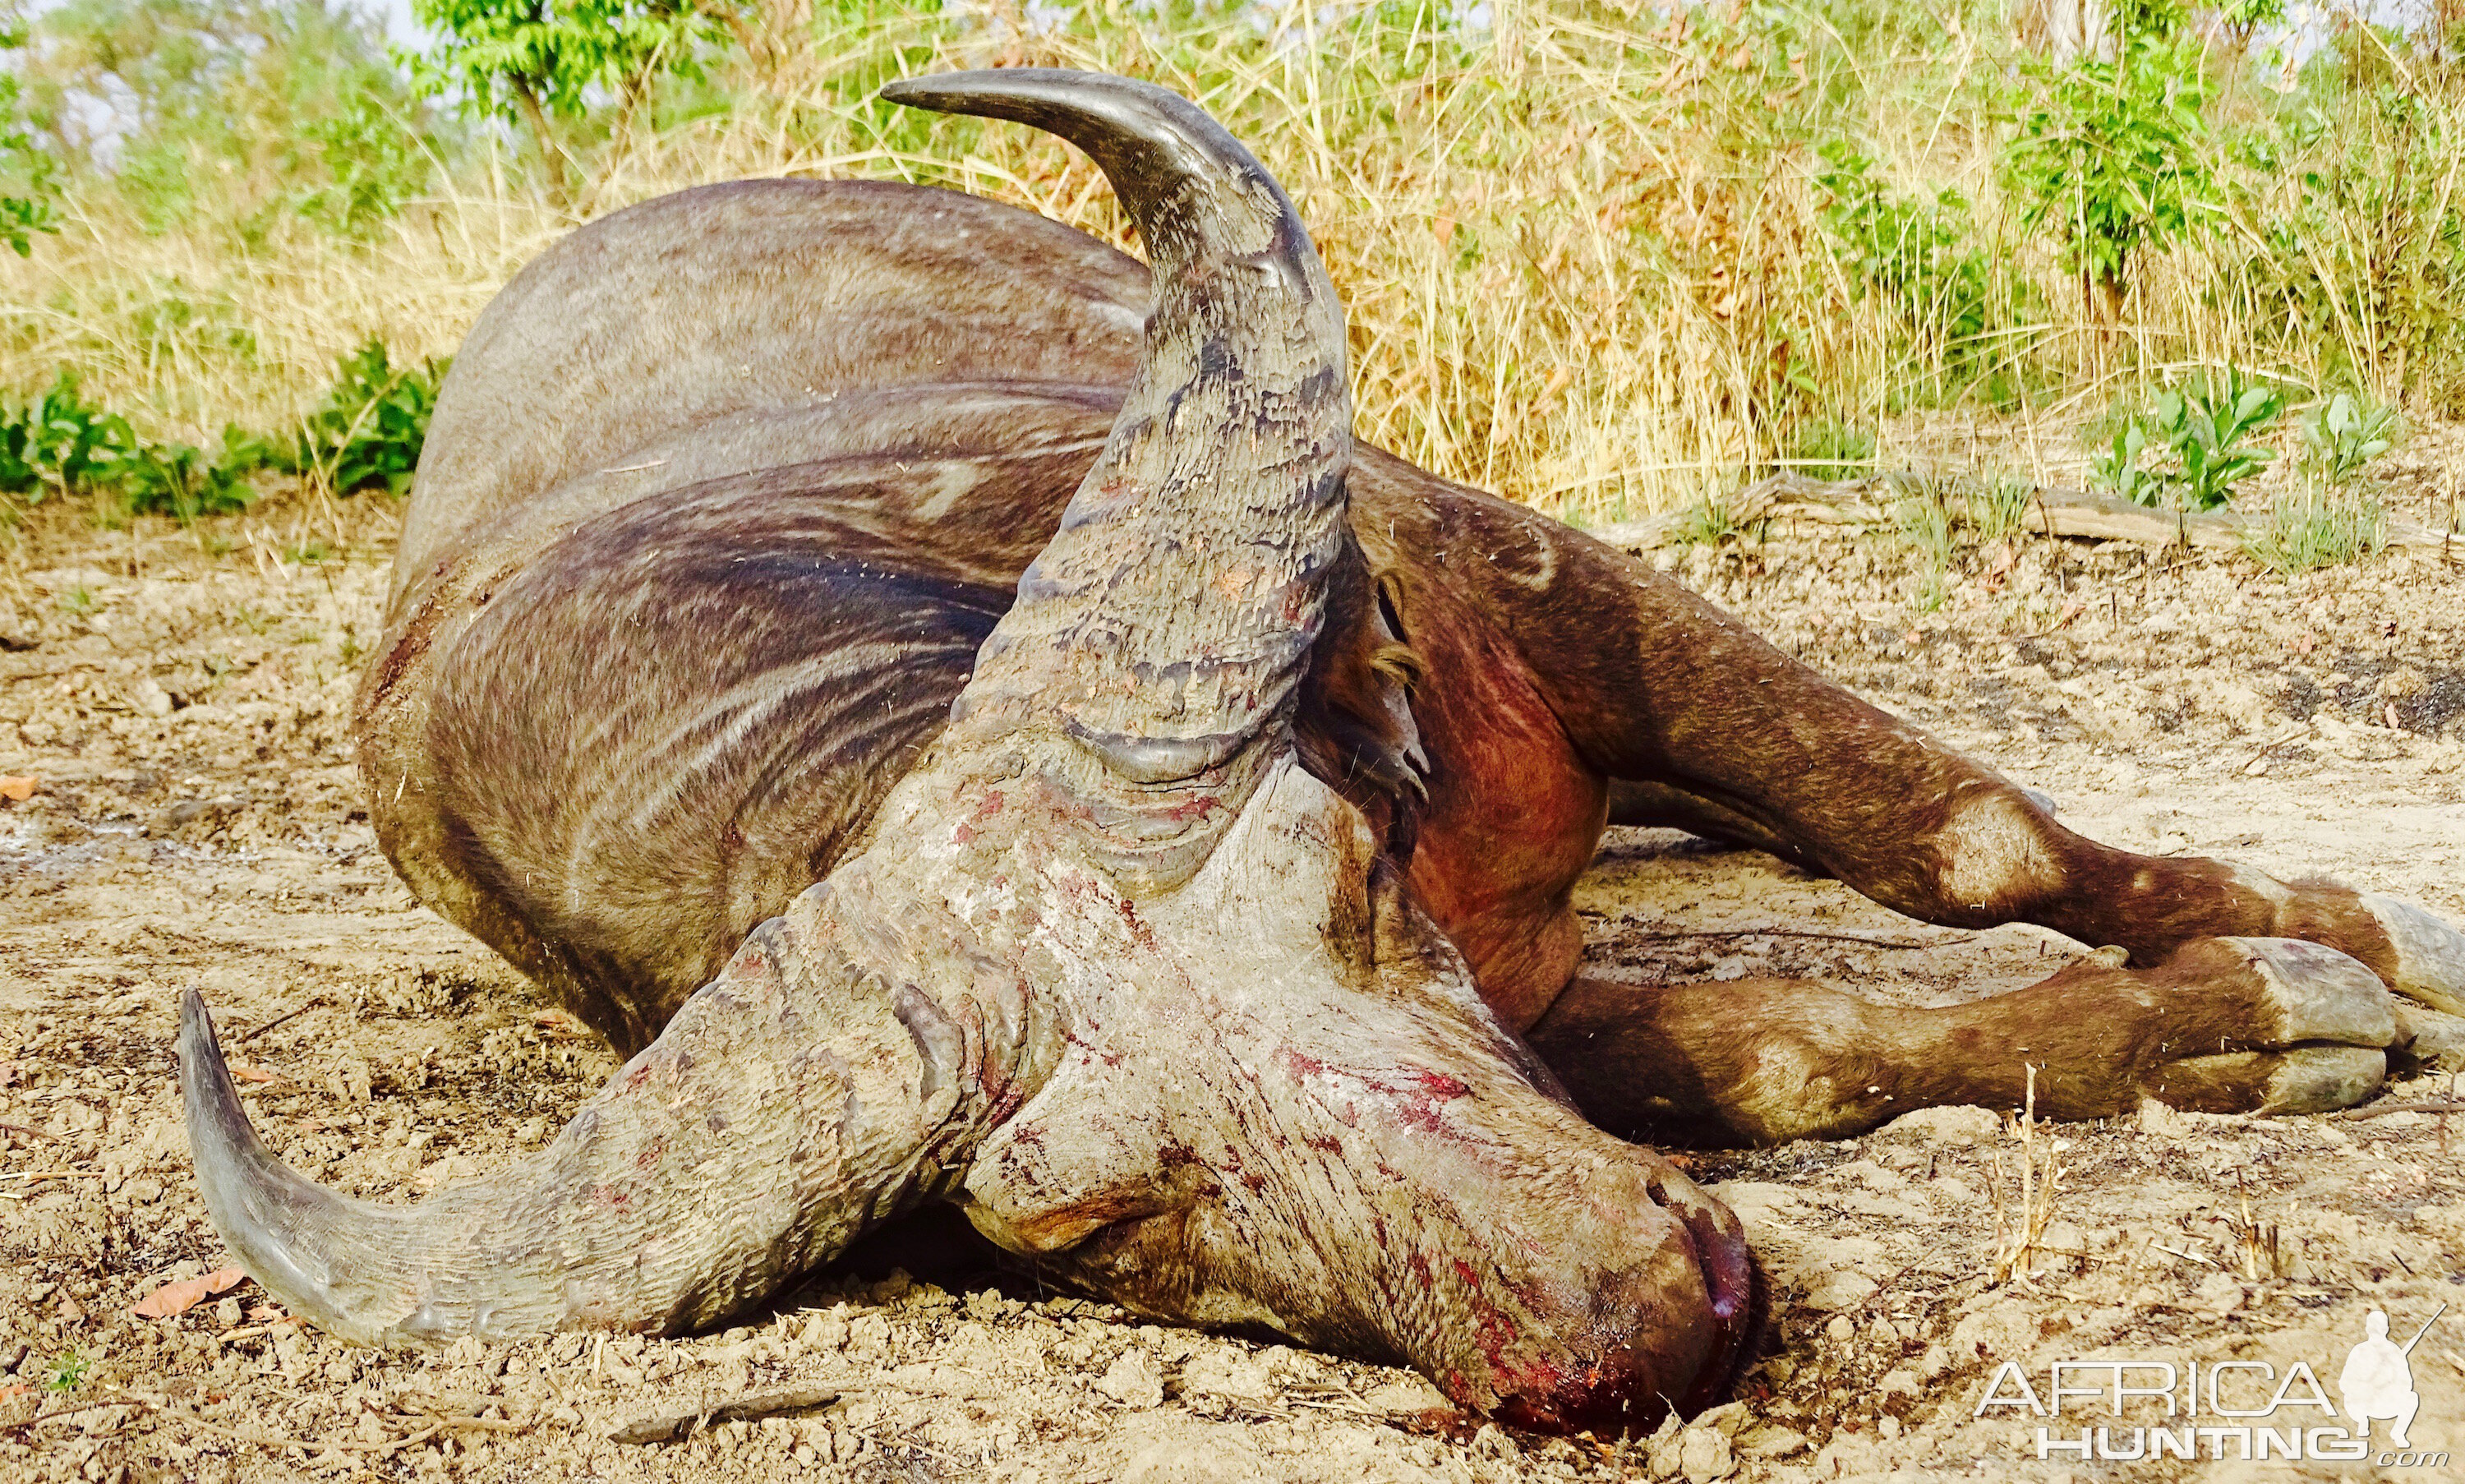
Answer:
(366, 436)
(2192, 446)
(180, 479)
(29, 176)
(370, 431)
(1913, 253)
(252, 112)
(63, 443)
(2107, 154)
(374, 159)
(2342, 432)
(2358, 243)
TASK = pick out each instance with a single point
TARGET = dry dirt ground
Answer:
(179, 701)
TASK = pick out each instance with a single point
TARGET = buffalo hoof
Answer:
(2311, 1031)
(2429, 955)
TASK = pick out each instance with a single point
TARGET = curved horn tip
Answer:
(206, 1087)
(1144, 136)
(966, 90)
(252, 1200)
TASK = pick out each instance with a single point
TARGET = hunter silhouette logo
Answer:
(2243, 1410)
(2378, 1378)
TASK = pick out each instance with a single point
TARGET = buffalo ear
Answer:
(1356, 726)
(1164, 630)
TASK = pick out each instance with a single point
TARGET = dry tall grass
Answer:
(1582, 250)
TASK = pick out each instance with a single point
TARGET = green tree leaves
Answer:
(2107, 155)
(28, 175)
(529, 59)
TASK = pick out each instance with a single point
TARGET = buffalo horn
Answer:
(790, 1104)
(1168, 622)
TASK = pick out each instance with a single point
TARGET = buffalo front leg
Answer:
(1719, 730)
(2225, 1024)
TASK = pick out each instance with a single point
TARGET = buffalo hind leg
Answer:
(2225, 1024)
(1708, 721)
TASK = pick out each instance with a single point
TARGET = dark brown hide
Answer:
(1557, 666)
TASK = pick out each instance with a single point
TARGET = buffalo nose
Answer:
(1629, 1302)
(1665, 1335)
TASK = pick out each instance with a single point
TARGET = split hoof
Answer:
(2305, 1079)
(2312, 992)
(2317, 1037)
(2429, 954)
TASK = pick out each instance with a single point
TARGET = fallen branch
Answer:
(668, 1427)
(251, 1035)
(2081, 515)
(1781, 932)
(2383, 1110)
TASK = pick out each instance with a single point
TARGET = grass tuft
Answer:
(2317, 528)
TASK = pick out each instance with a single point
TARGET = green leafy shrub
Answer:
(2342, 432)
(251, 115)
(2193, 445)
(374, 159)
(2106, 155)
(29, 176)
(182, 480)
(21, 217)
(18, 475)
(2357, 243)
(65, 443)
(366, 436)
(373, 423)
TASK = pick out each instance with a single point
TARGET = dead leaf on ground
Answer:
(265, 1314)
(186, 1293)
(247, 1074)
(16, 790)
(558, 1023)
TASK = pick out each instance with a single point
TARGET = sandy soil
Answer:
(180, 700)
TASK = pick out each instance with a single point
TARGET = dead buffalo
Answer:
(960, 710)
